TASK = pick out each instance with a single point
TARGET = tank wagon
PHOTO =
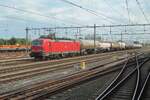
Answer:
(137, 45)
(47, 48)
(87, 46)
(129, 45)
(115, 46)
(122, 45)
(105, 46)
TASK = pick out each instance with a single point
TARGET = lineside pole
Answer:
(27, 33)
(94, 38)
(110, 32)
(121, 40)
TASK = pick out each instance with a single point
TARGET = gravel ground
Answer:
(86, 91)
(21, 83)
(49, 76)
(145, 70)
(89, 90)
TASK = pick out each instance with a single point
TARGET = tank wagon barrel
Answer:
(115, 46)
(106, 46)
(137, 45)
(122, 45)
(87, 46)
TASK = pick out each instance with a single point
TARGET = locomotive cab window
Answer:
(37, 43)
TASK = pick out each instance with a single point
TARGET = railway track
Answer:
(10, 64)
(129, 84)
(12, 55)
(145, 91)
(40, 89)
(11, 58)
(8, 74)
(21, 61)
(49, 86)
(15, 61)
(13, 73)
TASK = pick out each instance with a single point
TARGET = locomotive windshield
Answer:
(36, 43)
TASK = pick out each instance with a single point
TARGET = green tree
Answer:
(12, 41)
(2, 41)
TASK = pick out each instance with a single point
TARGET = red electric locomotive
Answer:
(47, 48)
(56, 48)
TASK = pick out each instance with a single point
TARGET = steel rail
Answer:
(55, 85)
(45, 63)
(14, 60)
(11, 55)
(61, 86)
(143, 88)
(132, 50)
(113, 82)
(45, 69)
(138, 80)
(121, 82)
(10, 63)
(35, 90)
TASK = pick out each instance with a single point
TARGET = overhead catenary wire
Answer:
(127, 7)
(141, 9)
(26, 21)
(18, 19)
(81, 27)
(98, 14)
(113, 9)
(36, 13)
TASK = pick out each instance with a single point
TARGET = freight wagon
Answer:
(115, 46)
(105, 46)
(11, 48)
(87, 46)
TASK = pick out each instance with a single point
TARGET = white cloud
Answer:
(67, 12)
(114, 10)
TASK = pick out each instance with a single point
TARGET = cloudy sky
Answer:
(51, 13)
